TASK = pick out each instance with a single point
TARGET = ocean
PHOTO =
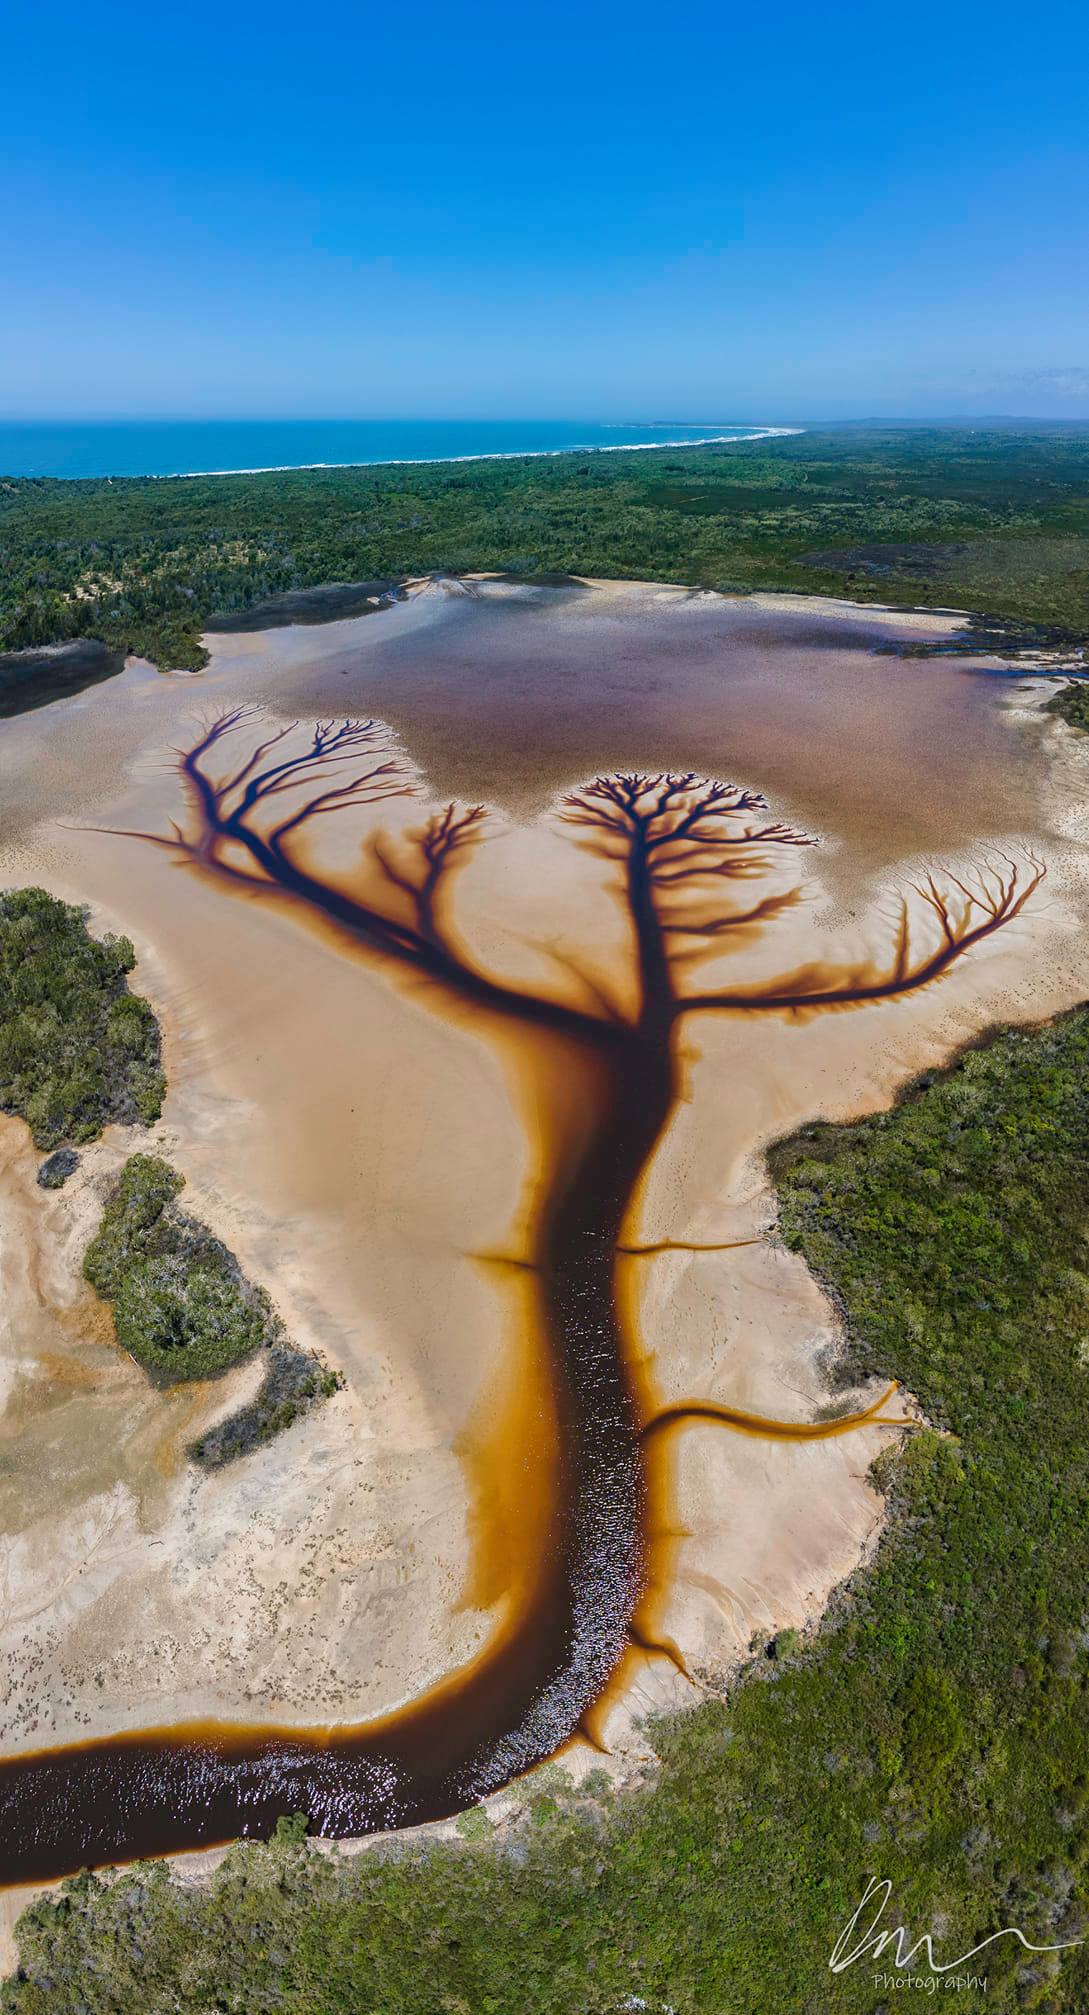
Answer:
(205, 447)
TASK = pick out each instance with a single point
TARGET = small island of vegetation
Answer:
(77, 1049)
(181, 1304)
(183, 1308)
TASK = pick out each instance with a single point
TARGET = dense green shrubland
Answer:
(77, 1049)
(181, 1305)
(971, 518)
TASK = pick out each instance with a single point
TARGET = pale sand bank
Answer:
(361, 1154)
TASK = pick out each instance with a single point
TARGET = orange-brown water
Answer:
(601, 1056)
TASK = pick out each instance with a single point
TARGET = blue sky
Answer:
(609, 211)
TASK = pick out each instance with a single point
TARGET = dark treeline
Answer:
(974, 519)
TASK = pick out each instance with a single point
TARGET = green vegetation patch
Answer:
(183, 1308)
(1071, 703)
(77, 1049)
(293, 1381)
(933, 1734)
(181, 1304)
(969, 517)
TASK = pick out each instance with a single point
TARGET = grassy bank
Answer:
(969, 518)
(932, 1734)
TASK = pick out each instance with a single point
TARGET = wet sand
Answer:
(792, 692)
(369, 1161)
(510, 694)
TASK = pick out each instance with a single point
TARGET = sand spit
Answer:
(369, 1161)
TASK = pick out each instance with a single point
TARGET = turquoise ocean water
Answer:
(195, 447)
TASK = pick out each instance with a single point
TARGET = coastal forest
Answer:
(937, 517)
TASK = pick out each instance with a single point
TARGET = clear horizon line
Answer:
(266, 419)
(348, 420)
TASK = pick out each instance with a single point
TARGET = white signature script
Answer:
(868, 1938)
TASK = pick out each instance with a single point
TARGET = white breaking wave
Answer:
(486, 455)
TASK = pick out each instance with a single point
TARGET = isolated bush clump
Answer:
(57, 1167)
(77, 1049)
(293, 1381)
(182, 1306)
(1071, 703)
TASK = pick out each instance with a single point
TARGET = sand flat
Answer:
(371, 1160)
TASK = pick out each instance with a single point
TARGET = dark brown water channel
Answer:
(194, 1784)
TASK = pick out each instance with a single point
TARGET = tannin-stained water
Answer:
(615, 1040)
